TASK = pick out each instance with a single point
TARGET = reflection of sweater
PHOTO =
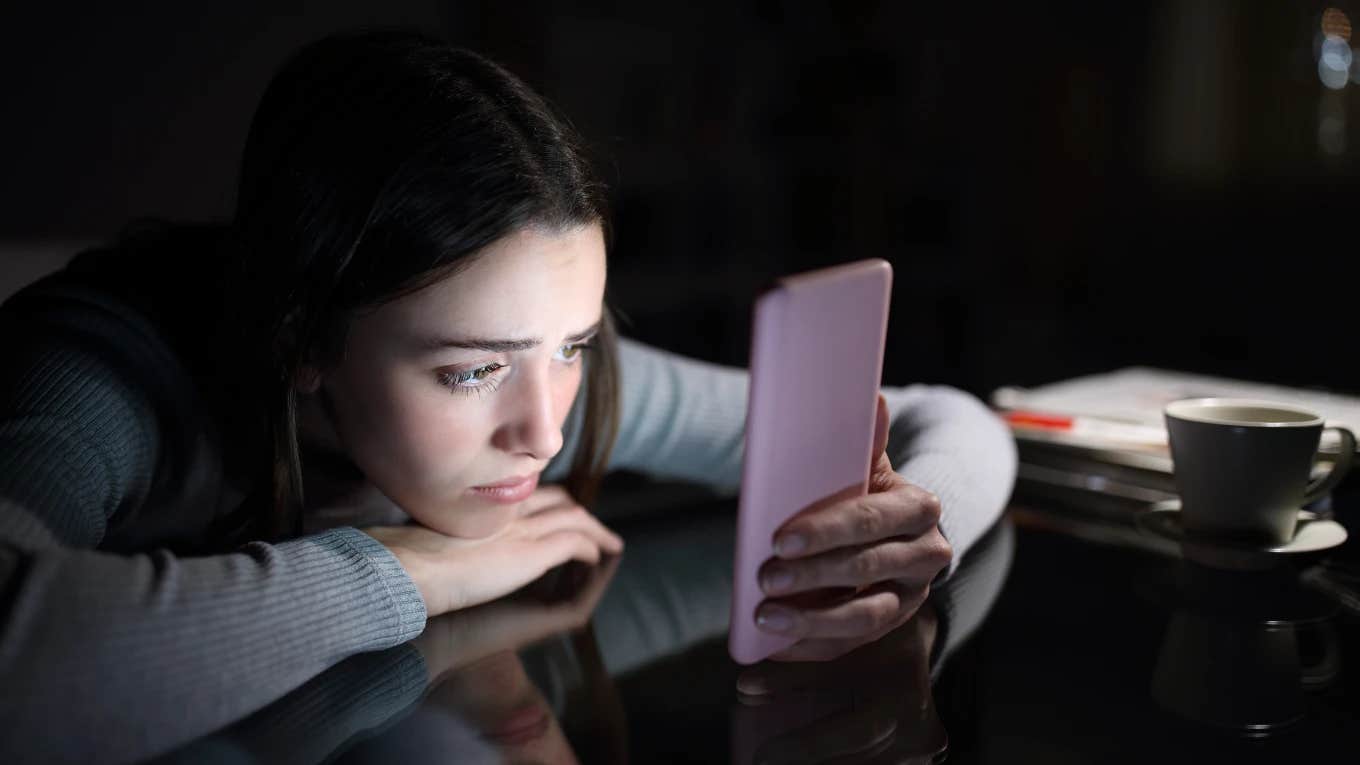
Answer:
(119, 648)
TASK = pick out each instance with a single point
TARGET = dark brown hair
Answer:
(379, 163)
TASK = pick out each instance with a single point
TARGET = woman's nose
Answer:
(532, 426)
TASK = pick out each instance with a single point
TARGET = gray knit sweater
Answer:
(114, 648)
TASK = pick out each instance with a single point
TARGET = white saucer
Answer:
(1312, 535)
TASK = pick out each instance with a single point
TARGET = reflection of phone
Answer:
(816, 363)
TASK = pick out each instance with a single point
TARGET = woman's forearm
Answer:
(116, 657)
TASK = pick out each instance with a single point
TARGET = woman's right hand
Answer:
(454, 573)
(508, 624)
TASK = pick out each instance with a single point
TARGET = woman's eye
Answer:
(572, 351)
(483, 379)
(487, 378)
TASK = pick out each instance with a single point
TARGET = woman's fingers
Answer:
(458, 573)
(561, 546)
(818, 649)
(865, 617)
(905, 510)
(552, 508)
(500, 566)
(822, 649)
(576, 519)
(913, 560)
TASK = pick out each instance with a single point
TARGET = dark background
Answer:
(1062, 187)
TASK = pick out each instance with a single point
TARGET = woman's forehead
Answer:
(529, 277)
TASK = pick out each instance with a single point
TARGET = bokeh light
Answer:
(1335, 57)
(1336, 24)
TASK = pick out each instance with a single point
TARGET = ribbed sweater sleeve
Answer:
(112, 657)
(685, 419)
(120, 657)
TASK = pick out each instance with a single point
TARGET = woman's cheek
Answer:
(440, 437)
(566, 392)
(399, 434)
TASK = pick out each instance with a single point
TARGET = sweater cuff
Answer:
(402, 593)
(962, 519)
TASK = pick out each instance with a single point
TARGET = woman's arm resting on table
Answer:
(120, 657)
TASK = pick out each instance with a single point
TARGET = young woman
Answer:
(230, 457)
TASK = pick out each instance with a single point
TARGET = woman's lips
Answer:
(515, 489)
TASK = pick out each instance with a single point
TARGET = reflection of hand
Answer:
(462, 637)
(459, 573)
(476, 674)
(884, 547)
(873, 700)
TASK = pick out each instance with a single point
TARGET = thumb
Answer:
(881, 427)
(882, 477)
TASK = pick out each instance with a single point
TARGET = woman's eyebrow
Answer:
(500, 346)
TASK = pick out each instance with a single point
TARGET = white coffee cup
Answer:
(1242, 466)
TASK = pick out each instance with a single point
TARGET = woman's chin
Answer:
(473, 520)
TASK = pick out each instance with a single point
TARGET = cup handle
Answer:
(1319, 488)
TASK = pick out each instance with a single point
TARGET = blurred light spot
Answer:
(1332, 78)
(1336, 54)
(1336, 24)
(1335, 59)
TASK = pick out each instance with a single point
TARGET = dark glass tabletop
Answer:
(1042, 647)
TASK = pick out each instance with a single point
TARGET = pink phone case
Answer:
(816, 363)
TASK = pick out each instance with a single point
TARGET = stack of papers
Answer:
(1122, 410)
(1098, 443)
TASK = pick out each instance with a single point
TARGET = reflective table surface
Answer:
(1043, 647)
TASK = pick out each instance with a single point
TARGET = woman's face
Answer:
(467, 383)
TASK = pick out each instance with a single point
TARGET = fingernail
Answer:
(790, 544)
(778, 582)
(774, 620)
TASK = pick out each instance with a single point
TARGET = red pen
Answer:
(1086, 427)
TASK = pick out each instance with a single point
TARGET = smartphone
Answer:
(816, 364)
